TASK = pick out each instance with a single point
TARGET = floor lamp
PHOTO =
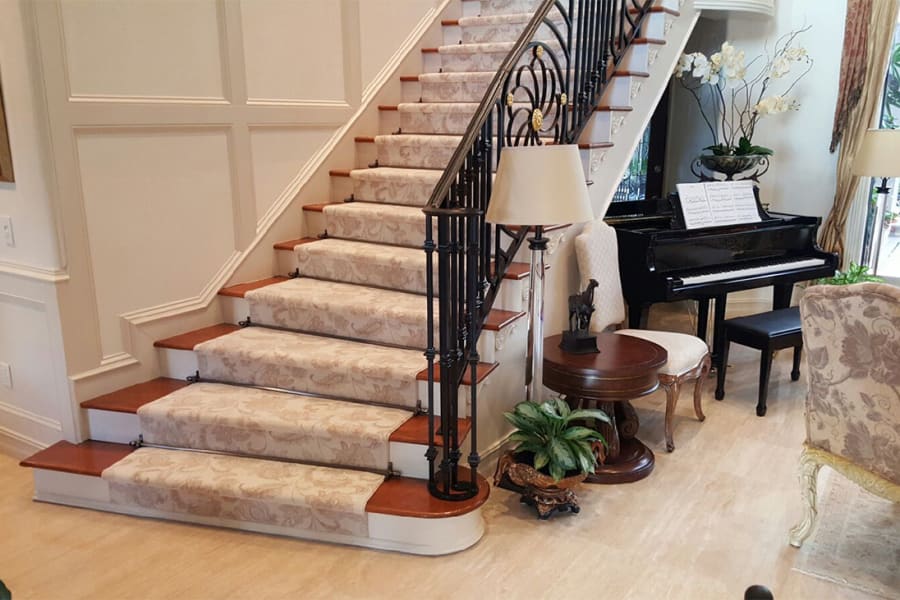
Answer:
(878, 157)
(538, 186)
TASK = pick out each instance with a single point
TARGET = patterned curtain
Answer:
(867, 47)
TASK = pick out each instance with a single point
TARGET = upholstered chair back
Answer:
(597, 251)
(851, 335)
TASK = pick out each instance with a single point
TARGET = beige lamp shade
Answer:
(539, 185)
(879, 155)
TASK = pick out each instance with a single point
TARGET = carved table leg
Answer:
(627, 458)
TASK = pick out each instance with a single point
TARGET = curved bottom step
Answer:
(398, 514)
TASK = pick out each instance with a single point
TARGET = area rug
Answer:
(856, 542)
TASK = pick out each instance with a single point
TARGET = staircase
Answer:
(306, 414)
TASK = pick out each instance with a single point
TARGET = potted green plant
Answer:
(855, 274)
(554, 452)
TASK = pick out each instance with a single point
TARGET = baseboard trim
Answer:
(17, 445)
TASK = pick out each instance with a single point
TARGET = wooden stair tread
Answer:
(187, 341)
(646, 40)
(409, 78)
(482, 370)
(429, 50)
(240, 289)
(86, 458)
(595, 145)
(626, 73)
(131, 398)
(339, 172)
(388, 107)
(406, 497)
(449, 22)
(291, 244)
(415, 430)
(657, 9)
(614, 108)
(547, 228)
(516, 270)
(319, 207)
(364, 139)
(497, 319)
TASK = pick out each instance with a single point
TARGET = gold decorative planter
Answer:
(537, 489)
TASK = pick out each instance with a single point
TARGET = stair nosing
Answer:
(132, 397)
(408, 497)
(188, 340)
(239, 290)
(67, 457)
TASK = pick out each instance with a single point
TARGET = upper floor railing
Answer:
(544, 92)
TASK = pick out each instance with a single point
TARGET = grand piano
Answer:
(660, 261)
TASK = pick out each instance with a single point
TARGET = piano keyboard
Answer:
(738, 273)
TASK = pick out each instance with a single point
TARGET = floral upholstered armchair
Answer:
(851, 335)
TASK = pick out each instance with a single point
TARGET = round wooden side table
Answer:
(625, 368)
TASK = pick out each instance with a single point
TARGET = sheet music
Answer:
(717, 203)
(695, 205)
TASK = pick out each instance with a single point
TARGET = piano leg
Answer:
(718, 332)
(702, 317)
(781, 295)
(637, 315)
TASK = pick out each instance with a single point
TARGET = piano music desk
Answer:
(625, 368)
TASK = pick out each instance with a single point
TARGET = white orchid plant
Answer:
(732, 101)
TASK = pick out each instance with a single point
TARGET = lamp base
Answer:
(578, 342)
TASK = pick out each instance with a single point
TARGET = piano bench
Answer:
(766, 332)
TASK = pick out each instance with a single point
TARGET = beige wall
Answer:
(184, 132)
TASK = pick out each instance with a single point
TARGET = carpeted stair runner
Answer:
(454, 87)
(311, 363)
(364, 263)
(212, 416)
(409, 187)
(379, 223)
(353, 311)
(504, 28)
(237, 489)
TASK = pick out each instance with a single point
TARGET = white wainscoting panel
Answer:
(278, 154)
(26, 345)
(158, 205)
(143, 49)
(286, 58)
(383, 27)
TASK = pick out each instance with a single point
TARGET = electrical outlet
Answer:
(5, 375)
(6, 231)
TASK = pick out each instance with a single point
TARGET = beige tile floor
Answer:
(711, 520)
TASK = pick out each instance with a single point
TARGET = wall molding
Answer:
(107, 98)
(45, 274)
(113, 362)
(408, 44)
(17, 445)
(32, 417)
(198, 302)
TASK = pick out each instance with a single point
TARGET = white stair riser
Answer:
(313, 223)
(618, 92)
(598, 129)
(655, 25)
(636, 58)
(236, 309)
(341, 188)
(388, 121)
(386, 532)
(410, 91)
(431, 62)
(452, 34)
(366, 155)
(123, 428)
